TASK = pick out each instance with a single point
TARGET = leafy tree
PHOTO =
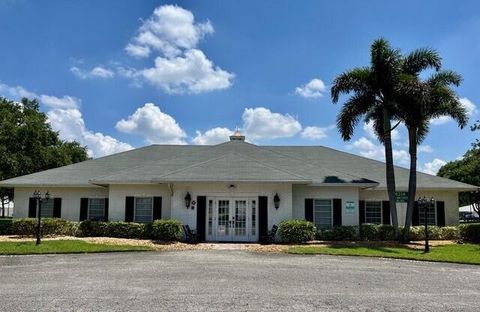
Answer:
(28, 144)
(373, 92)
(465, 170)
(420, 101)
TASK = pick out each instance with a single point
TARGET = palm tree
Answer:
(419, 102)
(373, 98)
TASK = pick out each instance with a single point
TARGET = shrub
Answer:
(345, 233)
(450, 232)
(296, 231)
(24, 227)
(92, 229)
(470, 232)
(369, 232)
(5, 226)
(125, 230)
(167, 230)
(57, 226)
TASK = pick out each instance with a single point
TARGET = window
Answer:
(254, 217)
(96, 209)
(373, 212)
(47, 208)
(322, 215)
(143, 209)
(431, 215)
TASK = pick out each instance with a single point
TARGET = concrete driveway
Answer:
(221, 280)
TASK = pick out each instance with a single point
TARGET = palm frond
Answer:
(348, 118)
(421, 59)
(355, 80)
(445, 78)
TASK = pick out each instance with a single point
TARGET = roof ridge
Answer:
(313, 165)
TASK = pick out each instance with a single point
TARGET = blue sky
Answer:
(121, 74)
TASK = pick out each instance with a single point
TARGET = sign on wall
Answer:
(401, 197)
(349, 207)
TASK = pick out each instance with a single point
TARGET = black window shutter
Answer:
(386, 212)
(361, 212)
(309, 209)
(415, 214)
(32, 208)
(337, 211)
(262, 216)
(83, 209)
(57, 207)
(106, 210)
(129, 206)
(201, 216)
(157, 208)
(440, 213)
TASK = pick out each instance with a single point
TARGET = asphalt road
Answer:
(233, 281)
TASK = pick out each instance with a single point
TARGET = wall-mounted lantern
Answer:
(276, 200)
(188, 200)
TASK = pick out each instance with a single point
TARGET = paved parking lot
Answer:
(221, 280)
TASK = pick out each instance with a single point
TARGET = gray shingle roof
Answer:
(230, 161)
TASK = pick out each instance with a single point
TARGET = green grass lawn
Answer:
(466, 253)
(63, 246)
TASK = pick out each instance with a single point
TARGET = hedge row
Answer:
(298, 231)
(165, 230)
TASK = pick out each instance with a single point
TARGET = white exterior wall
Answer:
(300, 192)
(189, 216)
(118, 193)
(449, 197)
(70, 199)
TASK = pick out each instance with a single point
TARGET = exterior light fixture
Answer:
(38, 197)
(276, 200)
(188, 200)
(425, 204)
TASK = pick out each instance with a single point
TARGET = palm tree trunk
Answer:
(412, 180)
(390, 172)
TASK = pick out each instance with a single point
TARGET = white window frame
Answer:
(331, 213)
(381, 210)
(88, 207)
(135, 209)
(420, 215)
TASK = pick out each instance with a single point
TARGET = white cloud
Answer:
(188, 73)
(71, 126)
(366, 148)
(424, 149)
(64, 102)
(96, 72)
(16, 92)
(65, 117)
(179, 66)
(313, 89)
(433, 166)
(49, 100)
(314, 133)
(154, 125)
(213, 136)
(169, 30)
(261, 123)
(469, 106)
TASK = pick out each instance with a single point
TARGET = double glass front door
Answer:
(231, 219)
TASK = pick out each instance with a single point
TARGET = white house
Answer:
(233, 191)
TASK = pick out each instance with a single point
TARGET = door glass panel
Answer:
(223, 217)
(210, 216)
(254, 217)
(240, 217)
